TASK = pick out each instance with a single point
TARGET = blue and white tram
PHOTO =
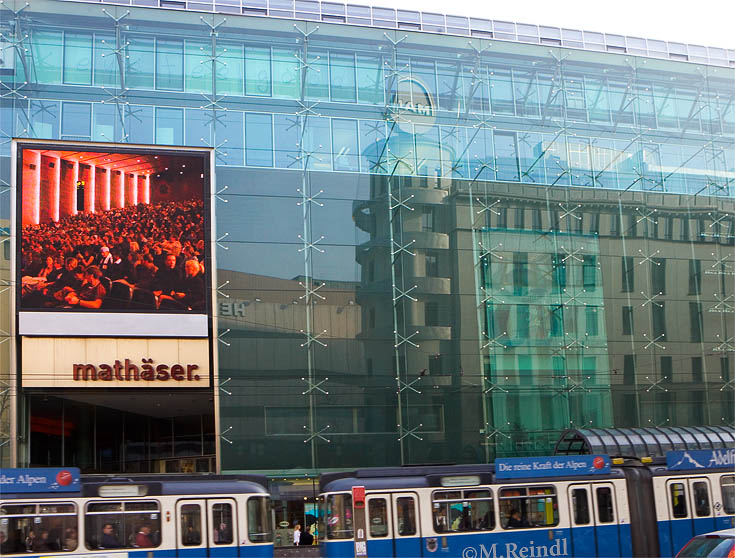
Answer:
(171, 516)
(694, 493)
(575, 506)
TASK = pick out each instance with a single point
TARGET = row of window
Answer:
(456, 511)
(514, 320)
(643, 223)
(172, 64)
(554, 273)
(524, 507)
(666, 369)
(700, 493)
(112, 525)
(274, 140)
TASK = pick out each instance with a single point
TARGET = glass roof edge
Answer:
(672, 54)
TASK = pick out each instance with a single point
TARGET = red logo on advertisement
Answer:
(64, 478)
(598, 463)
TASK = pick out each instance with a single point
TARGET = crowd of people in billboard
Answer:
(148, 257)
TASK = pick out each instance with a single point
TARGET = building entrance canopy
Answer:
(643, 442)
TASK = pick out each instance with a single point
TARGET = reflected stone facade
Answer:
(430, 248)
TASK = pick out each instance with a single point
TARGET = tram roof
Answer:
(419, 476)
(162, 485)
(643, 442)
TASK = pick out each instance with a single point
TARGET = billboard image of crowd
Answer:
(112, 229)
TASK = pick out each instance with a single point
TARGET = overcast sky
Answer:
(701, 22)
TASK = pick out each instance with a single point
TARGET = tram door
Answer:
(206, 527)
(393, 525)
(190, 524)
(406, 525)
(379, 525)
(607, 528)
(583, 528)
(690, 510)
(703, 518)
(594, 523)
(222, 535)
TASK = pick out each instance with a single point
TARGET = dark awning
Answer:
(643, 442)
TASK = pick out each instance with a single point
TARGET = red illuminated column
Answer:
(31, 192)
(131, 189)
(117, 189)
(68, 195)
(49, 189)
(143, 188)
(88, 176)
(101, 189)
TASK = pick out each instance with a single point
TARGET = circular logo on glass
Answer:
(413, 104)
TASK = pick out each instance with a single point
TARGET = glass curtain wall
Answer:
(446, 250)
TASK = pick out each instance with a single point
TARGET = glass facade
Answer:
(439, 248)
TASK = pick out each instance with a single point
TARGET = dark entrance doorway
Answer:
(124, 433)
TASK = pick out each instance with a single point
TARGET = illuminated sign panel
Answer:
(413, 103)
(112, 240)
(101, 362)
(45, 479)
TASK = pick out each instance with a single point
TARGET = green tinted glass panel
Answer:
(286, 74)
(369, 80)
(169, 126)
(106, 68)
(198, 68)
(230, 69)
(342, 77)
(257, 71)
(78, 58)
(46, 49)
(317, 75)
(258, 140)
(140, 62)
(169, 64)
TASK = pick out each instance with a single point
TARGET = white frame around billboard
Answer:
(110, 323)
(106, 324)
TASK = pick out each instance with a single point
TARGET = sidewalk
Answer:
(295, 551)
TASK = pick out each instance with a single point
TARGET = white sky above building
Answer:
(700, 22)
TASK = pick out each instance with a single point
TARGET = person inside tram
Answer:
(43, 543)
(108, 539)
(31, 541)
(143, 538)
(192, 537)
(515, 521)
(70, 539)
(222, 534)
(6, 546)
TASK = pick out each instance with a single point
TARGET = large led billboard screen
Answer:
(108, 229)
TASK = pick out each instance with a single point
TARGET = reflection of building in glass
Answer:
(540, 309)
(433, 245)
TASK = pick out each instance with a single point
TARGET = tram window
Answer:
(191, 525)
(605, 509)
(528, 507)
(222, 520)
(259, 519)
(378, 517)
(727, 484)
(18, 509)
(406, 512)
(51, 528)
(678, 500)
(700, 492)
(463, 510)
(580, 506)
(141, 506)
(57, 508)
(111, 525)
(339, 516)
